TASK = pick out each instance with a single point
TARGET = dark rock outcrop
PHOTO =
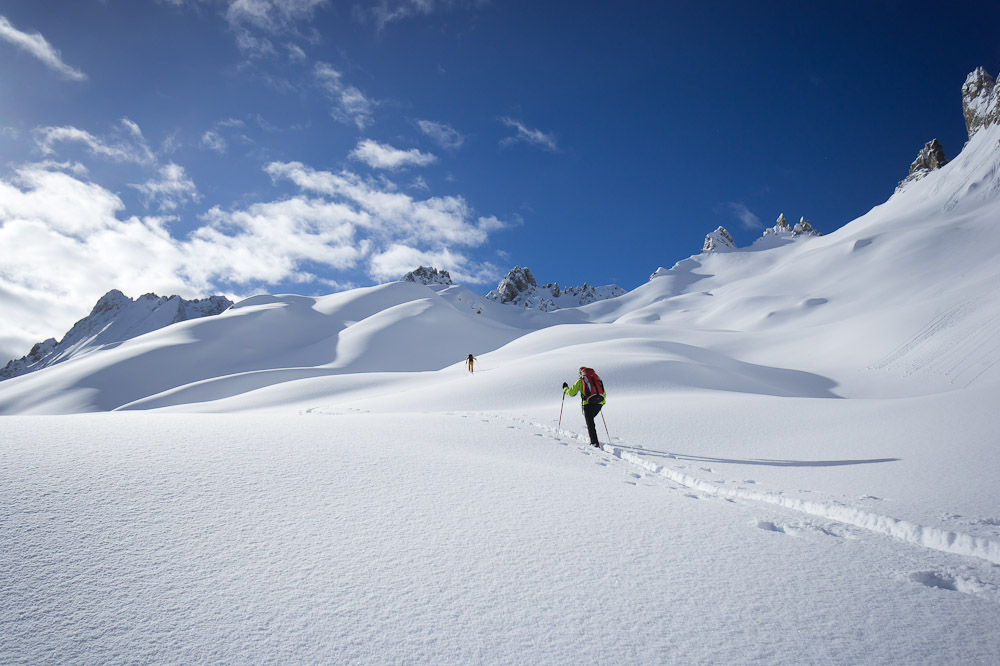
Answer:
(930, 157)
(428, 276)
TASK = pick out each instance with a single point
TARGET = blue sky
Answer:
(307, 146)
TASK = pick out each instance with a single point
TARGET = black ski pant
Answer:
(590, 412)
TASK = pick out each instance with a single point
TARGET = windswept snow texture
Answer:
(799, 465)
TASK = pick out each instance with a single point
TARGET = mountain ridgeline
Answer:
(690, 294)
(114, 319)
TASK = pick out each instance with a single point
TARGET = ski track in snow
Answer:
(960, 579)
(963, 359)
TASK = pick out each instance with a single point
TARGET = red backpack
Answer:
(593, 387)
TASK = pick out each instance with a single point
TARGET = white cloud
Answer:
(171, 189)
(273, 16)
(442, 134)
(396, 260)
(268, 242)
(436, 220)
(295, 53)
(352, 106)
(214, 141)
(62, 246)
(748, 219)
(383, 156)
(126, 144)
(254, 21)
(36, 45)
(390, 11)
(528, 135)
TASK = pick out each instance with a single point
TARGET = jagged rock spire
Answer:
(804, 228)
(782, 229)
(980, 101)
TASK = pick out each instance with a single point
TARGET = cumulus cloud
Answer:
(437, 220)
(36, 45)
(62, 245)
(442, 134)
(351, 105)
(396, 260)
(383, 156)
(528, 135)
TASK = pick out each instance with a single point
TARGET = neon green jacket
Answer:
(578, 387)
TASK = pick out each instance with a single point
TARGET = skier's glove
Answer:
(565, 385)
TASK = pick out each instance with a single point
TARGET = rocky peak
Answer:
(980, 101)
(804, 228)
(930, 157)
(428, 276)
(782, 233)
(110, 302)
(521, 288)
(781, 229)
(718, 240)
(519, 281)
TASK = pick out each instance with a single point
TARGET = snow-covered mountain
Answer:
(792, 299)
(114, 319)
(520, 288)
(799, 464)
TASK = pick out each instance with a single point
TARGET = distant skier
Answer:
(470, 361)
(592, 393)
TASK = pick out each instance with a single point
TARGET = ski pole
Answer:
(606, 427)
(561, 408)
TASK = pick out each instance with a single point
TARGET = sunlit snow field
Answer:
(798, 465)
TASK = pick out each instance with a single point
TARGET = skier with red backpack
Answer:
(591, 390)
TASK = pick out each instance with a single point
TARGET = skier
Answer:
(470, 361)
(591, 390)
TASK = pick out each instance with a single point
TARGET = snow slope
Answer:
(799, 466)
